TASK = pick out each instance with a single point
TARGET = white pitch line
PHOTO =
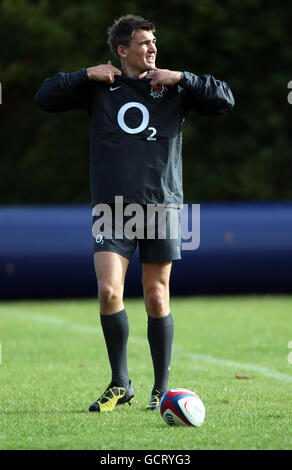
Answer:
(273, 374)
(79, 328)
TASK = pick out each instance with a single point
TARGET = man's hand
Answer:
(103, 73)
(164, 77)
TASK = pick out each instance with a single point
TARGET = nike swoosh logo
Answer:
(115, 88)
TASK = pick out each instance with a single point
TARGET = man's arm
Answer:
(64, 92)
(204, 94)
(68, 91)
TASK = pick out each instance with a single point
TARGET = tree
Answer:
(242, 156)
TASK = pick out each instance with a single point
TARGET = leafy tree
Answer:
(245, 155)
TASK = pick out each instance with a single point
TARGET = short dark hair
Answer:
(123, 29)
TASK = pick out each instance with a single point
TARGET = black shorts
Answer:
(158, 235)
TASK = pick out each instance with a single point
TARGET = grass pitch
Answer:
(54, 365)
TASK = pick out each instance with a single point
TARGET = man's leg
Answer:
(110, 271)
(160, 324)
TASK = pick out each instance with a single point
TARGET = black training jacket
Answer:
(136, 131)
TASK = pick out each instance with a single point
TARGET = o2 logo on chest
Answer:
(144, 122)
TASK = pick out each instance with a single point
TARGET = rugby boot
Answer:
(155, 399)
(112, 397)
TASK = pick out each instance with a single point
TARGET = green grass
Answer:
(54, 365)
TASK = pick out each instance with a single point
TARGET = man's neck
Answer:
(133, 73)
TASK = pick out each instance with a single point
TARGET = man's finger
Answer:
(154, 83)
(116, 70)
(155, 77)
(110, 80)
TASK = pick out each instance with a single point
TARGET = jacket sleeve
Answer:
(206, 95)
(64, 92)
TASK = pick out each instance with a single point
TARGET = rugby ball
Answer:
(182, 407)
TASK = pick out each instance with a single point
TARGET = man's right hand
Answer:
(103, 73)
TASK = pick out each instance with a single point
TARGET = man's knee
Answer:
(156, 299)
(108, 293)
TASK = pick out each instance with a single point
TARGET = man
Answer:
(136, 115)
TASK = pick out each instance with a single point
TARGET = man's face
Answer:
(141, 53)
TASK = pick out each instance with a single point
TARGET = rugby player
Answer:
(136, 116)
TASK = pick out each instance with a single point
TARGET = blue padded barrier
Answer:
(46, 252)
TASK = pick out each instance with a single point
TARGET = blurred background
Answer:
(238, 166)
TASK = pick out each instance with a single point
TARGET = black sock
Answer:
(116, 331)
(160, 337)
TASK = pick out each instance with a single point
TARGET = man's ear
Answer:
(122, 51)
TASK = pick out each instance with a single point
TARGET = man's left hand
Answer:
(164, 77)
